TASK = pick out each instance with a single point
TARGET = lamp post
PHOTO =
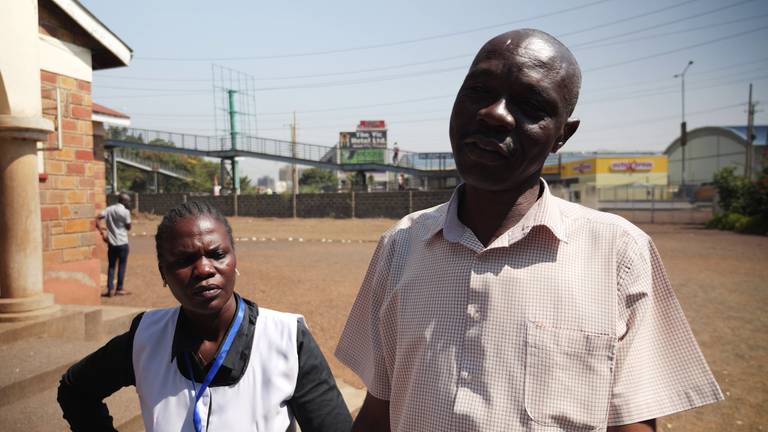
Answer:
(683, 131)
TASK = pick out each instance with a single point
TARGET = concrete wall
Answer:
(333, 205)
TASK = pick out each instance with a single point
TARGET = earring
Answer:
(237, 272)
(165, 284)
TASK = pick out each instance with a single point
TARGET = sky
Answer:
(336, 63)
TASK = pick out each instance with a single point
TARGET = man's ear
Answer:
(568, 130)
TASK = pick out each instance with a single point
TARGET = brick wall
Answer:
(334, 205)
(52, 21)
(73, 191)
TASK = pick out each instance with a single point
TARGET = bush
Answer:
(752, 225)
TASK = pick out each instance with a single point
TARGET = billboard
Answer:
(363, 156)
(372, 124)
(435, 155)
(363, 138)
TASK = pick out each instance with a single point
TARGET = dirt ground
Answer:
(719, 278)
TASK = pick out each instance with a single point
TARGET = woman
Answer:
(254, 369)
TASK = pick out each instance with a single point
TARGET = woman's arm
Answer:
(317, 402)
(86, 384)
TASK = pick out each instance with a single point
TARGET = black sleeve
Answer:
(87, 383)
(317, 402)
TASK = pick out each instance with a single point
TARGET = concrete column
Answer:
(21, 127)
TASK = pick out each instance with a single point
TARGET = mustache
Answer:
(504, 140)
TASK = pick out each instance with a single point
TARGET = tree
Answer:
(317, 176)
(246, 188)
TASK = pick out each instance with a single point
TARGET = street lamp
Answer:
(683, 131)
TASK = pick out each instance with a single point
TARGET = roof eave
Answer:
(116, 54)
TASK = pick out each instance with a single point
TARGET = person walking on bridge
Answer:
(118, 219)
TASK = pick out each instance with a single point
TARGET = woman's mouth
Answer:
(207, 291)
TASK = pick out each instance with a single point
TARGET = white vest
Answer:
(258, 402)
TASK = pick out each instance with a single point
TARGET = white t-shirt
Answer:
(117, 217)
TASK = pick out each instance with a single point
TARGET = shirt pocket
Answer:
(568, 376)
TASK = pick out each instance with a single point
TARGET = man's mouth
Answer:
(490, 150)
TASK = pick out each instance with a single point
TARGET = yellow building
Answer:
(610, 170)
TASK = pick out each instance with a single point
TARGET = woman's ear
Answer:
(162, 275)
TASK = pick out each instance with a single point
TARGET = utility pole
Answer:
(683, 127)
(750, 136)
(295, 167)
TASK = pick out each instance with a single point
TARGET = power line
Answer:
(676, 50)
(705, 27)
(660, 25)
(317, 85)
(628, 19)
(381, 45)
(306, 76)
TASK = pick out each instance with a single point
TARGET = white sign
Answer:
(632, 166)
(582, 168)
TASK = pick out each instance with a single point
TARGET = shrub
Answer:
(752, 225)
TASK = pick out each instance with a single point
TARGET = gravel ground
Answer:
(719, 278)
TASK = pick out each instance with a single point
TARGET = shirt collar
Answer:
(545, 213)
(183, 336)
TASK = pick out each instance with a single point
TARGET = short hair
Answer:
(194, 209)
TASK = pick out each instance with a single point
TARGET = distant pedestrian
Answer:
(116, 235)
(394, 156)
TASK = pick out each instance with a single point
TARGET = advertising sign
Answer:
(363, 138)
(551, 169)
(632, 166)
(582, 168)
(372, 124)
(435, 156)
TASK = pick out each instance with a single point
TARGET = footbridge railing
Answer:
(329, 157)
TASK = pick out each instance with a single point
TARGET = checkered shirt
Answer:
(565, 322)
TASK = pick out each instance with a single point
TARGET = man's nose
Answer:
(497, 115)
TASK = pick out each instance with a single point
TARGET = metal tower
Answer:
(234, 103)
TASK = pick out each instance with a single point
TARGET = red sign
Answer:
(632, 166)
(582, 168)
(372, 124)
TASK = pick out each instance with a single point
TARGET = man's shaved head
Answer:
(124, 199)
(549, 53)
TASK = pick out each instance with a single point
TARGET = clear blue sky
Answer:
(403, 61)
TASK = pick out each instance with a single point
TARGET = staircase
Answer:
(34, 355)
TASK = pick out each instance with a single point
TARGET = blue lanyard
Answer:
(216, 364)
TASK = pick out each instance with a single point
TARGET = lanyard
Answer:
(216, 365)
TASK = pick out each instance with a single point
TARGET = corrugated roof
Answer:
(761, 133)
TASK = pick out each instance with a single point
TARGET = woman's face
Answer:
(198, 263)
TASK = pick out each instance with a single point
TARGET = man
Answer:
(507, 309)
(116, 235)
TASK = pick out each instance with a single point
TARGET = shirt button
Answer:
(466, 376)
(205, 400)
(481, 258)
(477, 315)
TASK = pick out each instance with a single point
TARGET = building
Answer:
(266, 182)
(710, 149)
(575, 170)
(49, 52)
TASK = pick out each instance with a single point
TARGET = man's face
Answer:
(510, 112)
